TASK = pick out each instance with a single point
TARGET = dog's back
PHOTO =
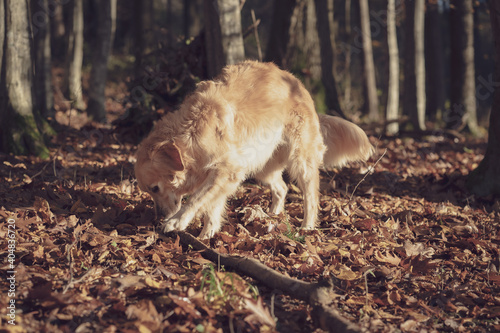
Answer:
(242, 116)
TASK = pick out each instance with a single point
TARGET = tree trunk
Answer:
(74, 55)
(43, 59)
(224, 40)
(369, 67)
(414, 68)
(230, 23)
(2, 41)
(348, 56)
(312, 40)
(20, 134)
(327, 58)
(188, 4)
(434, 52)
(213, 39)
(58, 29)
(393, 86)
(192, 22)
(485, 180)
(463, 85)
(331, 22)
(280, 32)
(100, 57)
(139, 40)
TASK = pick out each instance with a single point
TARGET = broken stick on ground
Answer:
(317, 294)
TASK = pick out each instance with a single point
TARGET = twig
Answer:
(53, 161)
(370, 169)
(370, 271)
(249, 30)
(256, 31)
(70, 260)
(54, 166)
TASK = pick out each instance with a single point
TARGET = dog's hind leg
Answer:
(274, 179)
(306, 154)
(307, 177)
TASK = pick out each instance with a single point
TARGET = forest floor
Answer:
(407, 248)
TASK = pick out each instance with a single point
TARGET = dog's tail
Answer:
(345, 142)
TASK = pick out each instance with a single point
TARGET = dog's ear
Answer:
(168, 153)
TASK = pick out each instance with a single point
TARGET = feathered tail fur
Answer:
(345, 142)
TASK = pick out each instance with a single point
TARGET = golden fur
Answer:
(253, 120)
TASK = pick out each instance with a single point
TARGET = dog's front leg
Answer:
(213, 218)
(179, 221)
(214, 189)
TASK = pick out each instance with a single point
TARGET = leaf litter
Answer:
(409, 250)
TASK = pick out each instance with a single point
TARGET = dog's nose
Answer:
(158, 211)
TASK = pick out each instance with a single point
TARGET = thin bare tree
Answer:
(435, 61)
(414, 63)
(74, 53)
(43, 58)
(392, 108)
(369, 67)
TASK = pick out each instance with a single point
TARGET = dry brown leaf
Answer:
(259, 313)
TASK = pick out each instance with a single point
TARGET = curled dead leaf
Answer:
(342, 272)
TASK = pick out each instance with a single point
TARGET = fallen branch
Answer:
(317, 294)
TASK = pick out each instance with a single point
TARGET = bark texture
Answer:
(463, 83)
(224, 39)
(213, 39)
(327, 58)
(232, 38)
(414, 69)
(74, 53)
(435, 61)
(280, 32)
(20, 134)
(369, 67)
(393, 86)
(101, 51)
(485, 180)
(43, 57)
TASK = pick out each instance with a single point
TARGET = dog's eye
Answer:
(155, 189)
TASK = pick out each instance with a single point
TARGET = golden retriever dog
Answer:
(253, 120)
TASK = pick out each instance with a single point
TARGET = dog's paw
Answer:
(207, 233)
(172, 224)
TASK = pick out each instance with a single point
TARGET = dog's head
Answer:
(159, 170)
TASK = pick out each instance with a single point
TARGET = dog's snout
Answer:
(158, 211)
